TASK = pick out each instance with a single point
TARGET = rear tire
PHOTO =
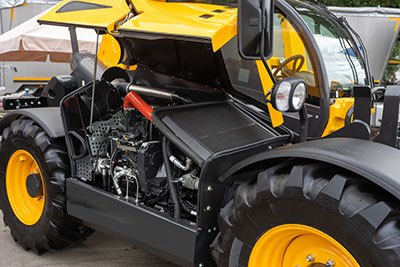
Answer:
(53, 229)
(355, 213)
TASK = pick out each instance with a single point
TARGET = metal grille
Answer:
(98, 140)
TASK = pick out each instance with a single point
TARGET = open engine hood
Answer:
(96, 14)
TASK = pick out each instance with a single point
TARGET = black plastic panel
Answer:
(153, 231)
(79, 6)
(190, 60)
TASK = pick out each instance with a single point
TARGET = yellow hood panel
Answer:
(213, 22)
(96, 14)
(217, 23)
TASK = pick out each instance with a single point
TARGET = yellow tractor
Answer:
(179, 145)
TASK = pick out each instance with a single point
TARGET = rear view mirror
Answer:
(255, 28)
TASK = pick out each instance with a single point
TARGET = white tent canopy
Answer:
(33, 42)
(10, 3)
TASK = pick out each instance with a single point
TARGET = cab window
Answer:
(290, 59)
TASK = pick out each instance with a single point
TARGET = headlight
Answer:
(289, 95)
(299, 96)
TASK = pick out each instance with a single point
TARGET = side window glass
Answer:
(290, 57)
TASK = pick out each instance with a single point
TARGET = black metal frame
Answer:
(149, 229)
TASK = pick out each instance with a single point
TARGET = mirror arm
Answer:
(262, 43)
(264, 61)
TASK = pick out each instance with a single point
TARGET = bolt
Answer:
(201, 265)
(209, 230)
(208, 208)
(310, 258)
(330, 263)
(209, 188)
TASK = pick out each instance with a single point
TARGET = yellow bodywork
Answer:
(102, 18)
(183, 19)
(267, 84)
(109, 51)
(337, 114)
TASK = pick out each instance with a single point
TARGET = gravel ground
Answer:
(97, 251)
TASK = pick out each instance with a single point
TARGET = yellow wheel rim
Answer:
(294, 245)
(26, 208)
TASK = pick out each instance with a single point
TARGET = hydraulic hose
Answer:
(172, 186)
(133, 100)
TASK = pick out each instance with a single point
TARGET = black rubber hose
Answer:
(172, 186)
(349, 116)
(186, 208)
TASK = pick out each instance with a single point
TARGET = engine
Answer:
(130, 163)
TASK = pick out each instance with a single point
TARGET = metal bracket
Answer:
(362, 104)
(74, 40)
(357, 129)
(389, 127)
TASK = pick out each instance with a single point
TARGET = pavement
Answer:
(98, 250)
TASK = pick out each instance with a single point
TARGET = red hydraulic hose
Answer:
(133, 100)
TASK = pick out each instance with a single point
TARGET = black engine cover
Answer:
(58, 87)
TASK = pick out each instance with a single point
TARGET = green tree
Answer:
(391, 71)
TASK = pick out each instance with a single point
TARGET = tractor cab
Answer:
(311, 45)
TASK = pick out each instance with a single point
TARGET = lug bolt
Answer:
(310, 258)
(330, 263)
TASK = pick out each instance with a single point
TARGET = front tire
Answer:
(298, 214)
(36, 213)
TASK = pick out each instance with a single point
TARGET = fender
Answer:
(376, 162)
(47, 118)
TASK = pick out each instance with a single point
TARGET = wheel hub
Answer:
(25, 187)
(34, 185)
(294, 245)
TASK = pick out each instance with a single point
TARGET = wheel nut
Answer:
(310, 258)
(330, 263)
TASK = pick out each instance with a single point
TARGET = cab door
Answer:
(293, 58)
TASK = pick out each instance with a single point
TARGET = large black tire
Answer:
(359, 215)
(55, 229)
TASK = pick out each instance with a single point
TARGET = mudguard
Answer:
(48, 118)
(376, 162)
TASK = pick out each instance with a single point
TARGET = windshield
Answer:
(343, 62)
